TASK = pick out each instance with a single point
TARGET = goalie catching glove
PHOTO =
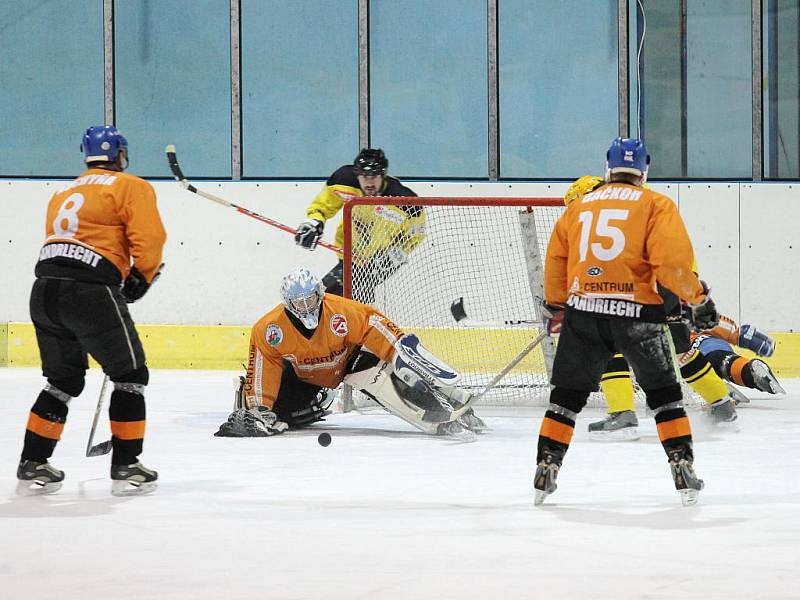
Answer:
(252, 422)
(308, 233)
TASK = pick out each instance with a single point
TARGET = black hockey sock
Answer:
(45, 424)
(127, 415)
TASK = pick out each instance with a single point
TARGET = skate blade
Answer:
(128, 488)
(32, 487)
(689, 497)
(732, 426)
(629, 434)
(465, 436)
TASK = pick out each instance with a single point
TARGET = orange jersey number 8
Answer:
(602, 229)
(68, 214)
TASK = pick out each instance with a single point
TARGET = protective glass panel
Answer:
(428, 81)
(696, 89)
(52, 85)
(558, 87)
(173, 80)
(299, 87)
(781, 85)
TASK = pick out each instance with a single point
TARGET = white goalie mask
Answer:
(302, 295)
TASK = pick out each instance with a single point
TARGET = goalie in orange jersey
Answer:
(622, 422)
(606, 253)
(313, 341)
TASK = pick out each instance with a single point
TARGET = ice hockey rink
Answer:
(386, 512)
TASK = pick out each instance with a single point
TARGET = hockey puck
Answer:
(324, 439)
(457, 309)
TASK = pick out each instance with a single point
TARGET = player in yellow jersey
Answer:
(622, 422)
(102, 251)
(313, 341)
(383, 236)
(606, 253)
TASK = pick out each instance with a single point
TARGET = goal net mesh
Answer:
(464, 275)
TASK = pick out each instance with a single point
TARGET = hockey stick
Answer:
(473, 398)
(172, 159)
(460, 315)
(103, 447)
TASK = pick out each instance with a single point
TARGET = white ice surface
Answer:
(388, 513)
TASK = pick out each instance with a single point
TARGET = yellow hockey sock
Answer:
(703, 379)
(617, 385)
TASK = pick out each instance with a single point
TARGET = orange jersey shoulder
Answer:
(615, 243)
(113, 214)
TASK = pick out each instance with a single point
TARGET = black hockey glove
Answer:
(308, 233)
(135, 285)
(705, 315)
(553, 318)
(314, 412)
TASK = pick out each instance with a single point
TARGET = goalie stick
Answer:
(460, 315)
(456, 414)
(172, 159)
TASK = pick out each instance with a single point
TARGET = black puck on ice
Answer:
(324, 439)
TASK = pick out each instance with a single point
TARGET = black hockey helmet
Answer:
(371, 161)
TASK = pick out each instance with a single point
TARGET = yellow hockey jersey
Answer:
(373, 230)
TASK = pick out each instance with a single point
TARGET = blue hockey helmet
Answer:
(102, 143)
(628, 155)
(302, 293)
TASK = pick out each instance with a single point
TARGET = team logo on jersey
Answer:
(274, 335)
(339, 325)
(594, 271)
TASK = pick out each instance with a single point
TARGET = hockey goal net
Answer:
(463, 274)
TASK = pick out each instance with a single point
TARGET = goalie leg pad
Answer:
(377, 383)
(414, 363)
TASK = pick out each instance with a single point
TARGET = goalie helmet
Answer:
(302, 295)
(103, 143)
(582, 186)
(627, 155)
(370, 162)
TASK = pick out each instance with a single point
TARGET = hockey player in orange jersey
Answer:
(621, 423)
(606, 255)
(313, 341)
(102, 251)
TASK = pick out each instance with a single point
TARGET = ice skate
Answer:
(544, 482)
(686, 481)
(764, 379)
(456, 430)
(473, 422)
(37, 478)
(617, 426)
(723, 414)
(132, 480)
(737, 395)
